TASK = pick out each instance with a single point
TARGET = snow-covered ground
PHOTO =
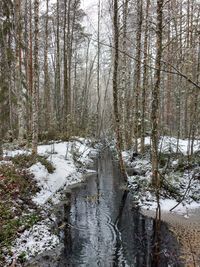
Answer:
(35, 240)
(168, 144)
(140, 182)
(64, 159)
(70, 160)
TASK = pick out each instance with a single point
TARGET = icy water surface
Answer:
(100, 226)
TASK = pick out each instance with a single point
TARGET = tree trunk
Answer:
(124, 75)
(35, 80)
(154, 121)
(155, 95)
(115, 90)
(57, 92)
(19, 75)
(98, 72)
(47, 110)
(137, 74)
(145, 79)
(30, 67)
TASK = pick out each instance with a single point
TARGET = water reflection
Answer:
(103, 229)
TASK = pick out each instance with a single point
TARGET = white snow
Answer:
(13, 153)
(63, 159)
(167, 204)
(35, 240)
(65, 173)
(169, 144)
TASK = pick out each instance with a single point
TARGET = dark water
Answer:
(101, 227)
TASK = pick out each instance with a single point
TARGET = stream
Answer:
(99, 226)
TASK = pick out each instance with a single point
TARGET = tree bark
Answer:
(19, 75)
(35, 80)
(137, 74)
(145, 79)
(115, 90)
(47, 109)
(155, 95)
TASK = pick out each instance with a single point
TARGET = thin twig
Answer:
(186, 191)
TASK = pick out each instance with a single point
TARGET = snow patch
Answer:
(169, 144)
(35, 240)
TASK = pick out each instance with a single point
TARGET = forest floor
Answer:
(179, 194)
(29, 188)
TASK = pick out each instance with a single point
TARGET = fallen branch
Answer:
(186, 191)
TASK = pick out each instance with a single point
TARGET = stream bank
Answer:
(99, 226)
(35, 186)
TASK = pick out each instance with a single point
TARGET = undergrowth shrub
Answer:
(26, 161)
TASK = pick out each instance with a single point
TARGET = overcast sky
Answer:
(85, 4)
(91, 9)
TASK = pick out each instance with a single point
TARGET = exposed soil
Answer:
(187, 232)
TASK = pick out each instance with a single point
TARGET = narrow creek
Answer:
(101, 227)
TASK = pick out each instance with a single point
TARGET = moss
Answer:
(26, 161)
(16, 190)
(9, 231)
(48, 165)
(11, 228)
(22, 257)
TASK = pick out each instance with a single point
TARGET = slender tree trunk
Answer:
(137, 74)
(115, 90)
(155, 95)
(57, 74)
(145, 78)
(154, 121)
(69, 55)
(167, 116)
(195, 105)
(124, 75)
(35, 79)
(30, 67)
(98, 71)
(47, 110)
(180, 80)
(65, 67)
(19, 74)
